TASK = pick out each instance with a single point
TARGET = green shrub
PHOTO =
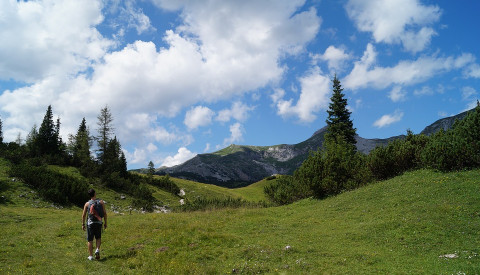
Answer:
(457, 148)
(286, 190)
(165, 183)
(143, 197)
(56, 187)
(397, 157)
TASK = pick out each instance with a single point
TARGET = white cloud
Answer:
(425, 90)
(198, 116)
(138, 156)
(468, 92)
(49, 37)
(366, 74)
(473, 71)
(386, 120)
(207, 148)
(315, 91)
(136, 18)
(236, 134)
(160, 134)
(151, 148)
(335, 58)
(397, 94)
(405, 22)
(238, 111)
(206, 59)
(182, 155)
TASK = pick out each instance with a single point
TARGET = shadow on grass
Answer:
(4, 186)
(123, 256)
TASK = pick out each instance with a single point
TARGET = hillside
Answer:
(421, 222)
(239, 165)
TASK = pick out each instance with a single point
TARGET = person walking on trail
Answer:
(95, 209)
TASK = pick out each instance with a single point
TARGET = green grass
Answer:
(400, 226)
(253, 192)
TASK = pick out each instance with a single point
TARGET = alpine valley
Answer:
(240, 165)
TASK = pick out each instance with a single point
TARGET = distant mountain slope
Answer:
(239, 165)
(444, 123)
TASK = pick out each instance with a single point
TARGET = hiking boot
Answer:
(97, 254)
(90, 258)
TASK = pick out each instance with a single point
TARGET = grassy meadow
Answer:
(422, 222)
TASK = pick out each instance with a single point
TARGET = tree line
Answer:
(338, 166)
(106, 164)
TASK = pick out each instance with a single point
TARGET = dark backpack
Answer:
(95, 210)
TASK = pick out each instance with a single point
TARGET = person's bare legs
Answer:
(98, 243)
(90, 248)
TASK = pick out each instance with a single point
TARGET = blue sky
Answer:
(189, 77)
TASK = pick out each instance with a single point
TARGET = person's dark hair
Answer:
(91, 193)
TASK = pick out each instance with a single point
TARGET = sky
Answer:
(188, 77)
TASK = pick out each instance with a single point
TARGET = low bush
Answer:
(56, 187)
(286, 190)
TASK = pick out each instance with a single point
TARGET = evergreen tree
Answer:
(151, 170)
(339, 123)
(1, 132)
(31, 139)
(81, 145)
(105, 131)
(47, 138)
(123, 165)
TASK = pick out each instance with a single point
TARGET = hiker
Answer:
(95, 208)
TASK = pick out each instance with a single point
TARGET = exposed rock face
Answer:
(443, 124)
(237, 165)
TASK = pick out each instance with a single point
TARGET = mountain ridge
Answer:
(240, 165)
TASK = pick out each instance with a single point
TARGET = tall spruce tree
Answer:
(105, 131)
(339, 123)
(81, 146)
(47, 138)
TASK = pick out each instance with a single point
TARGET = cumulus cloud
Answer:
(388, 119)
(335, 58)
(49, 37)
(236, 134)
(366, 73)
(182, 155)
(198, 116)
(238, 111)
(473, 71)
(405, 22)
(314, 96)
(397, 94)
(220, 50)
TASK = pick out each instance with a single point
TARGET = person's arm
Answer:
(104, 216)
(84, 214)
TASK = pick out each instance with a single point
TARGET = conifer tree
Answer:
(81, 146)
(151, 170)
(105, 131)
(123, 165)
(339, 123)
(47, 138)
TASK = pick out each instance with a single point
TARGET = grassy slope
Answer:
(399, 226)
(253, 192)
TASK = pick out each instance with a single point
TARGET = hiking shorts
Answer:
(94, 230)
